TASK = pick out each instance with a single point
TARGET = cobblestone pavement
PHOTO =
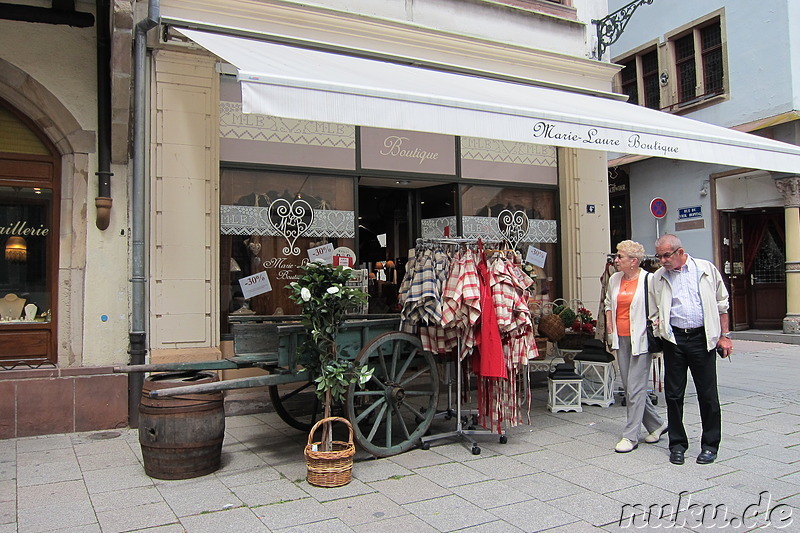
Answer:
(558, 474)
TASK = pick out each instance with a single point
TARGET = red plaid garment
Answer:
(461, 308)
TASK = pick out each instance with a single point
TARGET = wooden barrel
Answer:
(181, 436)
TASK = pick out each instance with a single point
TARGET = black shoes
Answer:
(676, 457)
(706, 457)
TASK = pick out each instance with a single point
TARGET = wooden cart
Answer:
(389, 416)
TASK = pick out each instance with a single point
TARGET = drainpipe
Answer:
(103, 200)
(137, 335)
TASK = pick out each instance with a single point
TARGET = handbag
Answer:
(654, 344)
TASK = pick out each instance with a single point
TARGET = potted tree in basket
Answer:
(325, 300)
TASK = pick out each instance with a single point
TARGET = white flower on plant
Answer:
(305, 294)
(293, 284)
(333, 290)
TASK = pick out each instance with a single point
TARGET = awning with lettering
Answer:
(306, 84)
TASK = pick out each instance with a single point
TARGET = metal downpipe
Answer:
(138, 333)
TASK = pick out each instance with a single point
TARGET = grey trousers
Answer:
(635, 370)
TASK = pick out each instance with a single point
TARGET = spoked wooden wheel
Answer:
(297, 404)
(396, 407)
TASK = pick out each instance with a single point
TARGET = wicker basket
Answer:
(333, 468)
(552, 327)
(541, 347)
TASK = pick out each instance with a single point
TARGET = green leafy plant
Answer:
(325, 300)
(566, 314)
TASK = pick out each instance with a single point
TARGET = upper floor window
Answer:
(686, 70)
(698, 62)
(639, 79)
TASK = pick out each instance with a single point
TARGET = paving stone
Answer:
(409, 489)
(203, 496)
(449, 513)
(452, 474)
(239, 520)
(139, 517)
(544, 486)
(534, 515)
(596, 479)
(122, 477)
(280, 490)
(325, 526)
(8, 512)
(377, 469)
(102, 461)
(757, 465)
(295, 513)
(595, 509)
(118, 500)
(364, 509)
(413, 459)
(237, 478)
(581, 450)
(498, 526)
(549, 460)
(756, 483)
(503, 467)
(38, 496)
(46, 473)
(489, 494)
(56, 515)
(401, 524)
(42, 444)
(8, 490)
(324, 494)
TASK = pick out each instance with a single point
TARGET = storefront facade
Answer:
(367, 191)
(63, 281)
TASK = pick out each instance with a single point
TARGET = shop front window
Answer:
(25, 234)
(524, 218)
(271, 224)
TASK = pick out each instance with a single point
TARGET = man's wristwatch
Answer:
(726, 335)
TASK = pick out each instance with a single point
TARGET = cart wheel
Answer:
(398, 404)
(503, 439)
(425, 445)
(476, 450)
(297, 404)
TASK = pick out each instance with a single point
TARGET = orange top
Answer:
(626, 290)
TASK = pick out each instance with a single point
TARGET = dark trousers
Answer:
(690, 353)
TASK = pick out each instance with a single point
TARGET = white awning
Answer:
(311, 85)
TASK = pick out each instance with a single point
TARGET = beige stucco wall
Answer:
(585, 237)
(49, 73)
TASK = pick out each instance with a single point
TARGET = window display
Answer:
(25, 234)
(273, 223)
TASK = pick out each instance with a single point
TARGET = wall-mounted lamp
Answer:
(704, 188)
(16, 249)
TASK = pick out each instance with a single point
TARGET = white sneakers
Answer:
(656, 435)
(625, 446)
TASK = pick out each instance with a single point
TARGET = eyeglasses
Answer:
(620, 256)
(667, 255)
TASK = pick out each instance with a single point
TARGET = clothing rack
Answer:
(460, 415)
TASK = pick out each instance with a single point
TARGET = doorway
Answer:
(390, 219)
(755, 263)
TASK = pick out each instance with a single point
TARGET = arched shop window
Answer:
(29, 200)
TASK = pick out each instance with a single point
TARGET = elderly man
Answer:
(692, 318)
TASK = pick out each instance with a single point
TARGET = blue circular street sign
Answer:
(658, 207)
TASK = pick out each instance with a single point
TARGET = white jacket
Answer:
(713, 296)
(638, 317)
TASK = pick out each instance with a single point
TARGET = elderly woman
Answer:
(626, 320)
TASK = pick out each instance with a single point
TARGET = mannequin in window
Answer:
(11, 307)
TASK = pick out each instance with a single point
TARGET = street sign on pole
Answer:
(658, 208)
